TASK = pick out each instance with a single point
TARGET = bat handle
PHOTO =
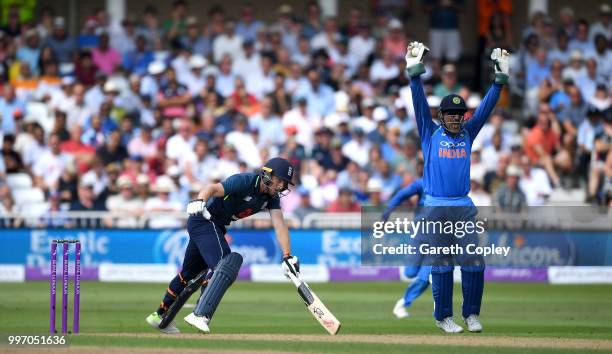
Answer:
(295, 280)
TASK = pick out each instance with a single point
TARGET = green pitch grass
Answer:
(548, 313)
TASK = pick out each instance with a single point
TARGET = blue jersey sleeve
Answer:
(483, 111)
(237, 184)
(425, 125)
(414, 188)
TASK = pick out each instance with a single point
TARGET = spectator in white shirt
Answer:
(161, 204)
(200, 165)
(228, 43)
(358, 148)
(362, 45)
(195, 79)
(326, 38)
(243, 141)
(181, 144)
(534, 183)
(268, 125)
(49, 167)
(384, 69)
(225, 80)
(604, 25)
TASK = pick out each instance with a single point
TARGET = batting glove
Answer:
(414, 58)
(500, 58)
(291, 265)
(198, 207)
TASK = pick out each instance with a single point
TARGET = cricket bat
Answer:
(316, 307)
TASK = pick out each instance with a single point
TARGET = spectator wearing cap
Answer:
(562, 51)
(268, 125)
(125, 205)
(195, 78)
(395, 40)
(361, 45)
(137, 59)
(444, 37)
(449, 83)
(228, 43)
(161, 204)
(604, 25)
(375, 192)
(366, 122)
(151, 83)
(11, 108)
(63, 45)
(581, 40)
(86, 199)
(509, 197)
(105, 57)
(50, 165)
(30, 52)
(381, 117)
(181, 185)
(304, 207)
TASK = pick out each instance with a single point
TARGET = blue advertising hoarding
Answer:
(30, 247)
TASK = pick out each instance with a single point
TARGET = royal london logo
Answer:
(452, 150)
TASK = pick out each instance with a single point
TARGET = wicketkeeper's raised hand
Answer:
(414, 58)
(198, 207)
(501, 59)
(291, 264)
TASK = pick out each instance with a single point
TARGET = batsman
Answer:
(446, 179)
(209, 263)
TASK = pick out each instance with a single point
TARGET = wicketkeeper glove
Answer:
(414, 58)
(291, 265)
(198, 207)
(500, 59)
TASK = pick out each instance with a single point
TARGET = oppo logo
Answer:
(450, 144)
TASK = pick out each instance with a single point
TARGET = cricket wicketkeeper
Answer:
(446, 178)
(209, 262)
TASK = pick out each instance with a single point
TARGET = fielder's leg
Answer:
(472, 285)
(414, 290)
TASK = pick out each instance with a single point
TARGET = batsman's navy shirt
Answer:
(242, 198)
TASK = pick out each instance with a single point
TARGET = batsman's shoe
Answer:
(449, 326)
(199, 322)
(155, 319)
(473, 324)
(400, 310)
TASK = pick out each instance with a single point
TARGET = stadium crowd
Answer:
(135, 116)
